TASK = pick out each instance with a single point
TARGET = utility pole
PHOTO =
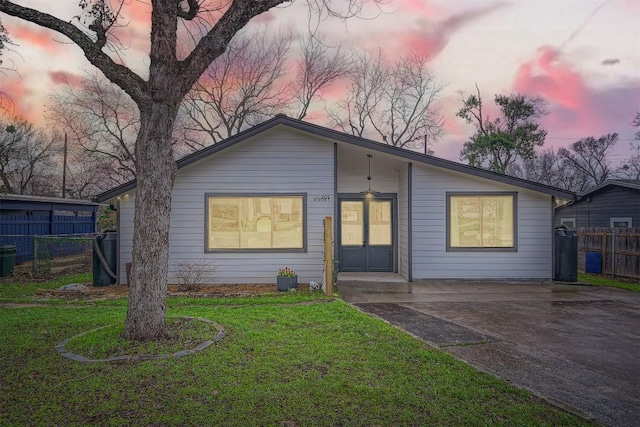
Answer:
(64, 168)
(425, 143)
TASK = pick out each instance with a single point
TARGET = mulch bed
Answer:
(199, 291)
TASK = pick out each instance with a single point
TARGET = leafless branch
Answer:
(318, 67)
(241, 88)
(397, 102)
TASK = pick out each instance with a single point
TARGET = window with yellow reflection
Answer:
(478, 221)
(255, 222)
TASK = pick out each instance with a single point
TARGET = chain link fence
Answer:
(66, 254)
(50, 256)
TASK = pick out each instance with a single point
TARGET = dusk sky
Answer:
(582, 56)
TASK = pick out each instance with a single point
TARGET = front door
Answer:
(366, 234)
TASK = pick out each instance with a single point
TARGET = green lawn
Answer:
(603, 280)
(286, 360)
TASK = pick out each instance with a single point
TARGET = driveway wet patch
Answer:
(426, 327)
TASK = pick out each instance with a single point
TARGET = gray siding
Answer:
(125, 232)
(403, 224)
(286, 161)
(281, 161)
(533, 258)
(597, 209)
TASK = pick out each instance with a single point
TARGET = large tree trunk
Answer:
(155, 178)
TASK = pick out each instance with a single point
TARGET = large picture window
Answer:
(255, 222)
(481, 221)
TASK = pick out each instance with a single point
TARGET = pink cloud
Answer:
(430, 38)
(546, 75)
(33, 35)
(337, 90)
(14, 101)
(63, 77)
(138, 11)
(576, 109)
(264, 18)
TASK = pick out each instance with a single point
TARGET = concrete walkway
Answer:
(576, 346)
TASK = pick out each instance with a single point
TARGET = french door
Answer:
(366, 234)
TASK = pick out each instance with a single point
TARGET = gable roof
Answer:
(283, 120)
(627, 183)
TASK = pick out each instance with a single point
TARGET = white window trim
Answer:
(571, 220)
(627, 219)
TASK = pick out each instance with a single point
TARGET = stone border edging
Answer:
(60, 348)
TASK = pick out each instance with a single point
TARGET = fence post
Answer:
(613, 252)
(33, 263)
(328, 256)
(603, 249)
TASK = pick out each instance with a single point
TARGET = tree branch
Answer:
(190, 13)
(129, 81)
(215, 42)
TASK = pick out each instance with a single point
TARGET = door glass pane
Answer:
(380, 222)
(352, 221)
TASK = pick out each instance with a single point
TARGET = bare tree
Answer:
(352, 114)
(6, 103)
(102, 122)
(500, 142)
(241, 88)
(630, 169)
(547, 168)
(158, 98)
(318, 68)
(588, 157)
(27, 159)
(396, 102)
(4, 39)
(101, 119)
(88, 174)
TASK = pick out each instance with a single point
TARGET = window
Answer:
(255, 222)
(621, 222)
(568, 222)
(481, 221)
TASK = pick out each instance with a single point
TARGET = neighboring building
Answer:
(614, 203)
(256, 202)
(22, 217)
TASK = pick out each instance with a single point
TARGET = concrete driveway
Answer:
(576, 346)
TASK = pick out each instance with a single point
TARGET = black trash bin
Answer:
(566, 255)
(107, 245)
(7, 260)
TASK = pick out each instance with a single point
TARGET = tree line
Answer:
(94, 125)
(509, 144)
(396, 101)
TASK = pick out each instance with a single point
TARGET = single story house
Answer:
(256, 202)
(614, 203)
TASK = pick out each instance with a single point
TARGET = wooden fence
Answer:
(20, 229)
(619, 248)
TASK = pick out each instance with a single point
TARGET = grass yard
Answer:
(287, 360)
(604, 280)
